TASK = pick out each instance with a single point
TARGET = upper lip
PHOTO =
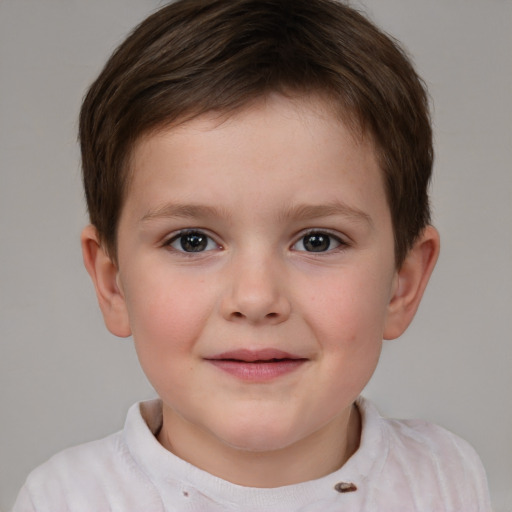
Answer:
(246, 355)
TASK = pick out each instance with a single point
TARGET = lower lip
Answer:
(258, 371)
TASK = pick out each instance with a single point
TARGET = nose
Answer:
(256, 293)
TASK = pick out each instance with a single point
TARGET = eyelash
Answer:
(323, 241)
(341, 244)
(183, 233)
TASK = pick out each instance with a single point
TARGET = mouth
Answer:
(257, 365)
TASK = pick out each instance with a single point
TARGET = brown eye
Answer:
(317, 241)
(192, 241)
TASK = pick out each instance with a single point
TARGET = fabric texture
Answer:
(399, 466)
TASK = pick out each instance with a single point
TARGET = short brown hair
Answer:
(198, 56)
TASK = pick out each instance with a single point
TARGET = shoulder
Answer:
(71, 475)
(89, 458)
(426, 461)
(420, 440)
(91, 476)
(432, 445)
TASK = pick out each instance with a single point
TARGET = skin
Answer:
(257, 184)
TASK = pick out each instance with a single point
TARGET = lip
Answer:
(257, 365)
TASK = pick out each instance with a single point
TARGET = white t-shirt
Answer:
(399, 466)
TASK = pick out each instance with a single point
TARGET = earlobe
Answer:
(411, 281)
(104, 274)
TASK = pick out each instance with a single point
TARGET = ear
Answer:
(411, 281)
(103, 272)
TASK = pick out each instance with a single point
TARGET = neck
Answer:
(313, 457)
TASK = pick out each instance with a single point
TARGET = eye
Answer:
(192, 241)
(317, 241)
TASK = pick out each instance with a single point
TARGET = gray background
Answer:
(65, 380)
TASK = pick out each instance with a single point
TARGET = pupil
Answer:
(194, 242)
(317, 243)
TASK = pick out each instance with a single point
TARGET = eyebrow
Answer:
(300, 212)
(184, 211)
(335, 208)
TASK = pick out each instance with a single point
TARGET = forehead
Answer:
(255, 150)
(298, 104)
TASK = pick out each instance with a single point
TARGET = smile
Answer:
(257, 365)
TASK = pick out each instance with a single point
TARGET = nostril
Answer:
(237, 314)
(271, 315)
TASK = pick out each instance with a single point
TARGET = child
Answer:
(256, 175)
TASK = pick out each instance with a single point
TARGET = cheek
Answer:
(349, 310)
(166, 329)
(167, 315)
(347, 319)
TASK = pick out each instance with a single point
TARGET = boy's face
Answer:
(256, 265)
